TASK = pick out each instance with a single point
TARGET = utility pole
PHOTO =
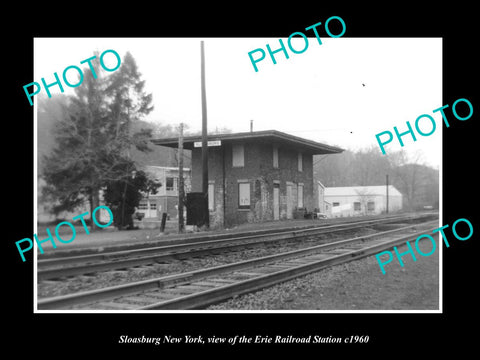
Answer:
(204, 139)
(181, 189)
(387, 193)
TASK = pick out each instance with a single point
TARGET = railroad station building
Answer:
(255, 176)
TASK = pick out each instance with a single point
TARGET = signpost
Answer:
(198, 144)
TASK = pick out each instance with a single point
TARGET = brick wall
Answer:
(258, 171)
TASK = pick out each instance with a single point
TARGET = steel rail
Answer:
(108, 293)
(208, 297)
(187, 242)
(134, 258)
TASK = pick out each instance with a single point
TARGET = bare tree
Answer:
(406, 170)
(365, 197)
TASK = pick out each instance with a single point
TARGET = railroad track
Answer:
(200, 288)
(88, 264)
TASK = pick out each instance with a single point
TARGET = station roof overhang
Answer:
(272, 136)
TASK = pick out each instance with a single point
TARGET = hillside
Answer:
(50, 112)
(418, 183)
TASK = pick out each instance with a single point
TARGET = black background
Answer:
(56, 335)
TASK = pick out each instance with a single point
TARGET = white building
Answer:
(166, 198)
(361, 200)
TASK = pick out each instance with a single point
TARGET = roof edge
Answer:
(172, 142)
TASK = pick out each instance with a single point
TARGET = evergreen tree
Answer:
(124, 195)
(93, 140)
(74, 169)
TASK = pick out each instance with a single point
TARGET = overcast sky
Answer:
(319, 94)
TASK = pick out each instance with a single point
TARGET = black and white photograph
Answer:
(302, 181)
(287, 207)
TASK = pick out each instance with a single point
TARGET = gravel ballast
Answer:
(357, 285)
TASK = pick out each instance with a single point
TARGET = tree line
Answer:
(418, 183)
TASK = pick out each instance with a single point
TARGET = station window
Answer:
(371, 206)
(171, 183)
(300, 196)
(300, 162)
(356, 206)
(153, 206)
(238, 155)
(275, 157)
(335, 204)
(143, 206)
(244, 195)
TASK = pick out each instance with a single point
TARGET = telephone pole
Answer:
(181, 189)
(204, 140)
(387, 193)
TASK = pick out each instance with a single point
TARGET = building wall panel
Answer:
(259, 172)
